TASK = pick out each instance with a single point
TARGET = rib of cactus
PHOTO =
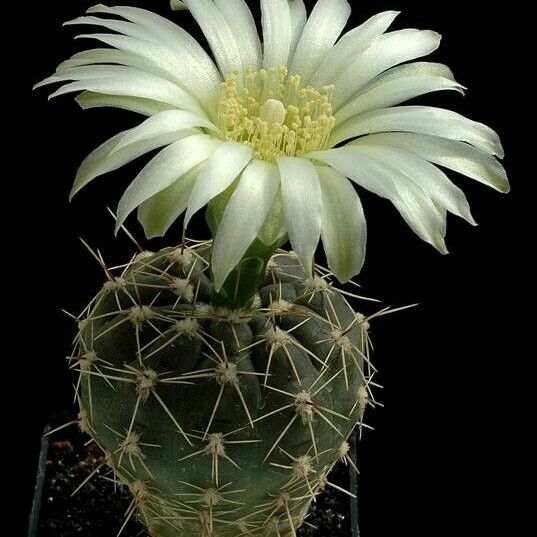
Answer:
(221, 423)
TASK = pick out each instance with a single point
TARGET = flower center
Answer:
(274, 114)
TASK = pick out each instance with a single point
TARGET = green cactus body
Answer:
(222, 423)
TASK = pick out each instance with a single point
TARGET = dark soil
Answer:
(98, 508)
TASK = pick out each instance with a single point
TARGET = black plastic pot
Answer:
(334, 512)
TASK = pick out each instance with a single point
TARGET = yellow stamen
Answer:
(274, 114)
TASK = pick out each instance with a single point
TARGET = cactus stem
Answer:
(219, 335)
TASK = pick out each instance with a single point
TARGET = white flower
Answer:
(275, 129)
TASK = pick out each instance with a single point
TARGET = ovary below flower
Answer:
(287, 123)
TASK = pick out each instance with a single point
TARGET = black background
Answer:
(436, 464)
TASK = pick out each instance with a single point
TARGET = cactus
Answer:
(221, 423)
(223, 379)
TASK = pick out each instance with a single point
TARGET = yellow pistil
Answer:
(274, 115)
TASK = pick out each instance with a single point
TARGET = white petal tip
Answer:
(188, 216)
(389, 13)
(153, 234)
(343, 279)
(437, 38)
(439, 243)
(218, 282)
(177, 5)
(466, 214)
(72, 22)
(505, 188)
(96, 8)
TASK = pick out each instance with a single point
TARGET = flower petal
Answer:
(385, 52)
(121, 27)
(170, 164)
(302, 203)
(297, 9)
(107, 56)
(163, 62)
(344, 229)
(162, 31)
(221, 170)
(421, 120)
(274, 229)
(218, 33)
(427, 176)
(146, 107)
(385, 180)
(350, 47)
(322, 30)
(126, 81)
(163, 124)
(397, 85)
(242, 24)
(243, 218)
(103, 159)
(277, 32)
(457, 156)
(158, 213)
